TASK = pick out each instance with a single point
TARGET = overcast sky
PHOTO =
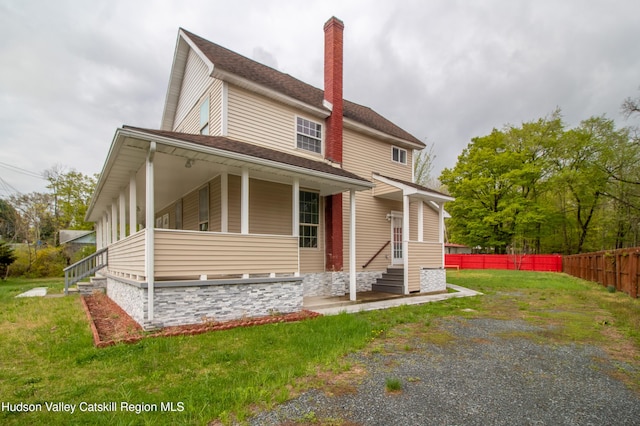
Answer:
(445, 70)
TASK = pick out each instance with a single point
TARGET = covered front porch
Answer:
(417, 243)
(192, 220)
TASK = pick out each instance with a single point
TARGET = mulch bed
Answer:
(110, 324)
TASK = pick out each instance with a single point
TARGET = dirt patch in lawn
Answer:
(110, 324)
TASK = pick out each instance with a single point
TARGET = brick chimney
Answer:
(333, 87)
(333, 30)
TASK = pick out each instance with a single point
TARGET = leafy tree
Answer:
(7, 257)
(8, 218)
(71, 192)
(423, 164)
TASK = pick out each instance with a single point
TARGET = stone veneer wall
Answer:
(195, 302)
(337, 283)
(433, 280)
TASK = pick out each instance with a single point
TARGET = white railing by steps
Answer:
(84, 268)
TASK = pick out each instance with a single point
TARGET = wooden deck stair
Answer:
(391, 281)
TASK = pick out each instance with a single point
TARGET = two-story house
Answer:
(260, 190)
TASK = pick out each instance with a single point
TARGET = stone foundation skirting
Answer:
(337, 283)
(433, 280)
(195, 302)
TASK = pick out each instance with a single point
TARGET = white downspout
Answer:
(406, 210)
(150, 231)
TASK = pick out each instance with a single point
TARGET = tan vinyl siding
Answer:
(194, 84)
(312, 259)
(431, 219)
(364, 155)
(258, 120)
(215, 108)
(215, 206)
(190, 211)
(127, 256)
(261, 121)
(373, 230)
(234, 204)
(429, 224)
(422, 255)
(270, 208)
(183, 253)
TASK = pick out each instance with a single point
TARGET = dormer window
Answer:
(399, 155)
(308, 135)
(204, 117)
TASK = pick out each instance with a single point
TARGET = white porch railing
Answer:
(181, 254)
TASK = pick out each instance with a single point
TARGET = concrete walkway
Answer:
(390, 303)
(34, 292)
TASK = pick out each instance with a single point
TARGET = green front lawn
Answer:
(47, 353)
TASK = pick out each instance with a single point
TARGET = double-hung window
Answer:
(308, 135)
(309, 219)
(399, 155)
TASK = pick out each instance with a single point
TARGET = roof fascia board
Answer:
(408, 190)
(270, 93)
(358, 184)
(354, 125)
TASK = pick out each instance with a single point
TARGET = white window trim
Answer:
(295, 135)
(400, 150)
(316, 225)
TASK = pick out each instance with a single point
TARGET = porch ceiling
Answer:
(181, 166)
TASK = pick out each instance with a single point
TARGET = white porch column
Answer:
(295, 208)
(406, 210)
(421, 221)
(98, 228)
(150, 233)
(224, 202)
(122, 216)
(105, 229)
(244, 203)
(441, 228)
(133, 205)
(114, 221)
(295, 212)
(352, 245)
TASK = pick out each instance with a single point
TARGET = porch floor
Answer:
(373, 300)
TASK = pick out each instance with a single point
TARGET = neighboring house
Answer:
(457, 248)
(260, 190)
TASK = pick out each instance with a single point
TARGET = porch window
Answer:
(399, 155)
(204, 117)
(309, 219)
(308, 135)
(203, 208)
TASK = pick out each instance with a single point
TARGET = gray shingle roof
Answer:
(238, 147)
(251, 70)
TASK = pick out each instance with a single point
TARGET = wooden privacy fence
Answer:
(618, 268)
(519, 262)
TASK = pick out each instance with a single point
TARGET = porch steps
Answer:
(391, 281)
(95, 284)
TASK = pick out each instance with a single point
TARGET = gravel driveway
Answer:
(486, 375)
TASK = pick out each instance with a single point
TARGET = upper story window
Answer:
(308, 135)
(399, 155)
(204, 117)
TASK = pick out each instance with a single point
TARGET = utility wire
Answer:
(21, 170)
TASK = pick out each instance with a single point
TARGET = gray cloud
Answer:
(447, 71)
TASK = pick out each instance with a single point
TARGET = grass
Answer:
(47, 353)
